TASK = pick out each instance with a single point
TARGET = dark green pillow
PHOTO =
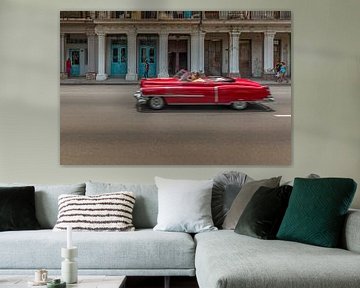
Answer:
(17, 208)
(264, 212)
(316, 211)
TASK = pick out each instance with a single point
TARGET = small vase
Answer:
(69, 271)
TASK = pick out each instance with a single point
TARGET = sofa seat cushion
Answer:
(226, 259)
(142, 249)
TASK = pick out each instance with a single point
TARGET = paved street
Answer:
(101, 125)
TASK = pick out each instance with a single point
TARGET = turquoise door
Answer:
(118, 60)
(75, 62)
(147, 53)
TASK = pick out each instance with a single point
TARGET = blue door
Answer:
(75, 62)
(147, 57)
(118, 60)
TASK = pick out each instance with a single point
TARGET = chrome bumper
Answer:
(139, 98)
(269, 99)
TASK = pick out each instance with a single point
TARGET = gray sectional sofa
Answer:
(219, 259)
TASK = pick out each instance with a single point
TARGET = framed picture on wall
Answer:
(175, 88)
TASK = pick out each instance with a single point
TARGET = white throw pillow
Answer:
(105, 212)
(184, 205)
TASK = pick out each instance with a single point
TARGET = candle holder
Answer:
(69, 271)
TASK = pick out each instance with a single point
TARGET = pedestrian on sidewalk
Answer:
(277, 71)
(146, 69)
(68, 67)
(283, 72)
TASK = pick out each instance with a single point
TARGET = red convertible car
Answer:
(183, 89)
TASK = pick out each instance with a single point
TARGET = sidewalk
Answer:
(271, 82)
(109, 81)
(120, 81)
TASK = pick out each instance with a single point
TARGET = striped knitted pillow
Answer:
(105, 212)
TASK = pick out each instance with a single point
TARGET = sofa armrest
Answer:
(351, 234)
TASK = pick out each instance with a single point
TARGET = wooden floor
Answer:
(158, 282)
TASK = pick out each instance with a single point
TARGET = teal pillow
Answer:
(316, 211)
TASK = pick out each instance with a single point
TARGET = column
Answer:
(101, 57)
(234, 54)
(62, 56)
(177, 62)
(163, 55)
(194, 51)
(288, 58)
(268, 52)
(188, 51)
(197, 51)
(131, 61)
(91, 72)
(201, 51)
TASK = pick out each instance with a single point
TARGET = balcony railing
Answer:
(270, 15)
(75, 14)
(177, 15)
(149, 15)
(121, 14)
(239, 15)
(247, 15)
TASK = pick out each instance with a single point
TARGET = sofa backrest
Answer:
(146, 203)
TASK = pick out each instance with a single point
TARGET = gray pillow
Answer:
(146, 204)
(226, 187)
(46, 200)
(310, 176)
(184, 205)
(243, 198)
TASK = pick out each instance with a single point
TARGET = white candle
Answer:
(69, 239)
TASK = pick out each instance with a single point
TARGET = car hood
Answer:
(172, 80)
(157, 81)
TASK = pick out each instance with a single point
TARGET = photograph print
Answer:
(175, 88)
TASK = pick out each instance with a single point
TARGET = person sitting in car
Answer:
(196, 77)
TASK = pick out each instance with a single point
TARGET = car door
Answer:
(191, 93)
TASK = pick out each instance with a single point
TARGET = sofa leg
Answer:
(167, 282)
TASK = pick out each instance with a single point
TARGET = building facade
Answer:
(102, 44)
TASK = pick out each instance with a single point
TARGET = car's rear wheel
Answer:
(239, 105)
(156, 103)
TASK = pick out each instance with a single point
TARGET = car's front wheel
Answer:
(239, 105)
(156, 103)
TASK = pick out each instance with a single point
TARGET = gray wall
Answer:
(326, 91)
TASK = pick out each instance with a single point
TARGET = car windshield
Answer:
(180, 73)
(221, 79)
(184, 75)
